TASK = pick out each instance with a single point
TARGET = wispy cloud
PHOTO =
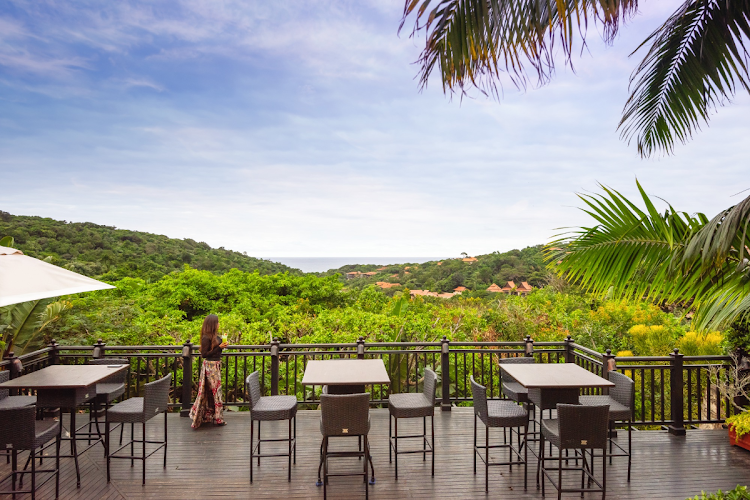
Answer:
(296, 128)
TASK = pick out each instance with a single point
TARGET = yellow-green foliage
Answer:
(700, 344)
(738, 493)
(624, 354)
(740, 423)
(655, 340)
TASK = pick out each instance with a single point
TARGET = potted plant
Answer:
(734, 385)
(739, 429)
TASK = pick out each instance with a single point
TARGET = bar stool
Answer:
(511, 388)
(576, 427)
(414, 405)
(499, 413)
(155, 400)
(620, 401)
(345, 415)
(518, 393)
(269, 408)
(20, 431)
(107, 392)
(8, 402)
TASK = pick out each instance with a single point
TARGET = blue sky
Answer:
(298, 129)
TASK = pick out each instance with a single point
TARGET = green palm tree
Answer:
(670, 257)
(693, 62)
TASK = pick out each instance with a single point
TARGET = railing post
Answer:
(529, 351)
(677, 397)
(187, 378)
(54, 355)
(609, 364)
(275, 367)
(361, 348)
(98, 349)
(13, 368)
(569, 358)
(445, 374)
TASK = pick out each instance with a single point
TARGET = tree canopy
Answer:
(110, 254)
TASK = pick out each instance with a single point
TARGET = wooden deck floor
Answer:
(213, 463)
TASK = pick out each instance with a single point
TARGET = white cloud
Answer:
(296, 128)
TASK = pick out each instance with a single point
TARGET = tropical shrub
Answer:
(655, 340)
(701, 344)
(738, 493)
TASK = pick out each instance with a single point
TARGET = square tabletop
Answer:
(554, 376)
(345, 372)
(63, 377)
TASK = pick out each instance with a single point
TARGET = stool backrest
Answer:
(252, 388)
(18, 428)
(583, 426)
(430, 381)
(517, 360)
(117, 378)
(345, 414)
(156, 396)
(624, 390)
(479, 395)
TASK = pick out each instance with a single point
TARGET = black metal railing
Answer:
(672, 391)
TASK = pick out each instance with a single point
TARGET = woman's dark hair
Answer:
(210, 330)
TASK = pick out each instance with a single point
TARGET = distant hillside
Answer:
(108, 253)
(443, 276)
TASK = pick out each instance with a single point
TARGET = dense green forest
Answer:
(110, 254)
(254, 308)
(443, 276)
(165, 287)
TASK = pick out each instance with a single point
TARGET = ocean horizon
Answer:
(321, 264)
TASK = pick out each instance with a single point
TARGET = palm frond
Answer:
(471, 42)
(670, 257)
(695, 62)
(630, 253)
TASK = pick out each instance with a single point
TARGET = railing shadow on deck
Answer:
(670, 391)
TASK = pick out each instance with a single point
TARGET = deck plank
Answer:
(214, 463)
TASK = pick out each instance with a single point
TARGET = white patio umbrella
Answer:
(24, 278)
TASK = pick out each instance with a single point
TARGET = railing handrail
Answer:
(588, 351)
(666, 386)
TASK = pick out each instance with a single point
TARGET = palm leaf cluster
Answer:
(670, 257)
(473, 41)
(694, 61)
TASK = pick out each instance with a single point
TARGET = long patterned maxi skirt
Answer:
(208, 406)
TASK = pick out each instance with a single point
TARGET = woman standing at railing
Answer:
(208, 406)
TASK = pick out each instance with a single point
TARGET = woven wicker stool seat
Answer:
(16, 401)
(275, 408)
(617, 411)
(155, 400)
(7, 401)
(515, 391)
(113, 387)
(20, 431)
(268, 408)
(504, 414)
(409, 405)
(130, 410)
(414, 405)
